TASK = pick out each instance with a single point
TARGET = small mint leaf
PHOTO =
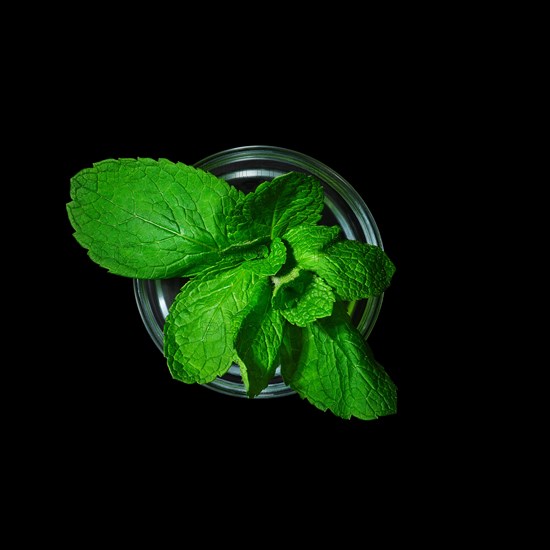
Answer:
(354, 269)
(257, 343)
(306, 241)
(304, 298)
(271, 262)
(203, 321)
(276, 206)
(329, 364)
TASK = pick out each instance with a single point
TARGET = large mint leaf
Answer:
(203, 320)
(274, 207)
(329, 364)
(354, 269)
(258, 342)
(150, 219)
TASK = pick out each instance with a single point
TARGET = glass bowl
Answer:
(245, 168)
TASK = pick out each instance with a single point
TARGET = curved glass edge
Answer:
(324, 173)
(238, 390)
(315, 167)
(146, 313)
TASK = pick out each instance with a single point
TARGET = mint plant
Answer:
(267, 284)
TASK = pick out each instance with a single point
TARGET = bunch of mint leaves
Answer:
(266, 284)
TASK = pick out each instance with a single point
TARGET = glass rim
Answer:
(353, 200)
(308, 163)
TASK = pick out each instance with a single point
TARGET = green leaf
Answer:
(258, 342)
(266, 284)
(203, 321)
(306, 241)
(303, 298)
(354, 269)
(274, 207)
(150, 219)
(270, 264)
(329, 364)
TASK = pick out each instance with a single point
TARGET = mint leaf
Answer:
(329, 364)
(271, 263)
(203, 321)
(355, 270)
(302, 297)
(267, 285)
(257, 343)
(306, 241)
(274, 207)
(150, 219)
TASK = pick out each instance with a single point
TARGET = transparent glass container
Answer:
(245, 168)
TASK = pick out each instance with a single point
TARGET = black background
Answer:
(113, 392)
(94, 410)
(400, 111)
(126, 380)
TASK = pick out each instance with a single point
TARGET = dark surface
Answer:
(115, 390)
(102, 434)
